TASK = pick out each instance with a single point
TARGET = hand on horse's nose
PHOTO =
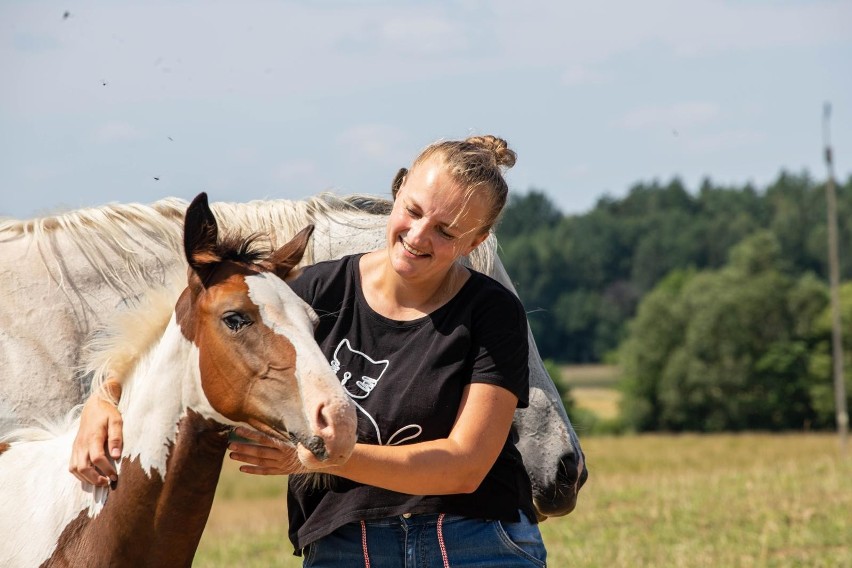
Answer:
(334, 423)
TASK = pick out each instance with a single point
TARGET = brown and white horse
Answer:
(239, 349)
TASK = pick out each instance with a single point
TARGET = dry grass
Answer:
(683, 501)
(592, 387)
(602, 401)
(725, 500)
(599, 376)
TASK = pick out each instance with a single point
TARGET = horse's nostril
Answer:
(322, 420)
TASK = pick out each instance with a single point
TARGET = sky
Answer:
(116, 101)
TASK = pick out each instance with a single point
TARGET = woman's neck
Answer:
(403, 300)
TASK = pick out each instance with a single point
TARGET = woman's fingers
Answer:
(115, 440)
(258, 455)
(99, 422)
(253, 435)
(84, 470)
(99, 459)
(254, 470)
(264, 459)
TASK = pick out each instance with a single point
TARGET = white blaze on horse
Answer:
(59, 277)
(239, 349)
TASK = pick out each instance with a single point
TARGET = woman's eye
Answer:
(445, 234)
(236, 321)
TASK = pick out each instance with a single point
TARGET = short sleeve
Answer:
(501, 342)
(318, 282)
(304, 285)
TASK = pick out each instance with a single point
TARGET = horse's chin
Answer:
(554, 507)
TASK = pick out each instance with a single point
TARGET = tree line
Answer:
(713, 302)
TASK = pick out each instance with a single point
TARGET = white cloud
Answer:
(244, 156)
(376, 143)
(578, 74)
(427, 34)
(576, 171)
(676, 116)
(726, 140)
(296, 171)
(263, 49)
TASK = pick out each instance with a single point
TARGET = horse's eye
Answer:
(236, 321)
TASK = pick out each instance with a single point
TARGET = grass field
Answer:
(593, 388)
(681, 501)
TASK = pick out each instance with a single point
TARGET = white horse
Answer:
(238, 349)
(60, 275)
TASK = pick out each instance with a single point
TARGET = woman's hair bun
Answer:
(503, 156)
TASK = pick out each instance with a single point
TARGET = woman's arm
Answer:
(456, 464)
(100, 428)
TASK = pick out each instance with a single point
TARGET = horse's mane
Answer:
(128, 335)
(46, 430)
(128, 231)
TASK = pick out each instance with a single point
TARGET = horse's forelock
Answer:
(243, 249)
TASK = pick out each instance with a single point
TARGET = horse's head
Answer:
(259, 363)
(550, 448)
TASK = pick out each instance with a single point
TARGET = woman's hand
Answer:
(100, 428)
(267, 456)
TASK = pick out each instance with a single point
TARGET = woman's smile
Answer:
(412, 250)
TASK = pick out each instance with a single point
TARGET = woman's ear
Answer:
(398, 180)
(477, 241)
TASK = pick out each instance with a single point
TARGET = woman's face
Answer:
(431, 225)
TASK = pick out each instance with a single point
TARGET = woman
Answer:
(434, 356)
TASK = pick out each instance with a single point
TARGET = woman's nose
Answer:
(416, 231)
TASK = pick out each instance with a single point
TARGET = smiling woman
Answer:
(438, 216)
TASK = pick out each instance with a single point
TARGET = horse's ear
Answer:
(200, 233)
(398, 180)
(285, 258)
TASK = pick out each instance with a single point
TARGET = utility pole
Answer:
(834, 284)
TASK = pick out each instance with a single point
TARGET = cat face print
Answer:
(360, 373)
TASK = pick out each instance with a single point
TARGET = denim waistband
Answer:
(414, 519)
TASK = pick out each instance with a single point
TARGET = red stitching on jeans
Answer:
(364, 544)
(441, 541)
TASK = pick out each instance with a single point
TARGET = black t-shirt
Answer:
(406, 379)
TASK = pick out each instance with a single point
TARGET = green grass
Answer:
(681, 501)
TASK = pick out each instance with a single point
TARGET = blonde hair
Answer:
(475, 163)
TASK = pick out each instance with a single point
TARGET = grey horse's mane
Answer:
(46, 429)
(129, 231)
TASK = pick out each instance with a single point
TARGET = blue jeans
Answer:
(429, 541)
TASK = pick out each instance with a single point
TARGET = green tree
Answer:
(581, 276)
(527, 213)
(725, 349)
(820, 369)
